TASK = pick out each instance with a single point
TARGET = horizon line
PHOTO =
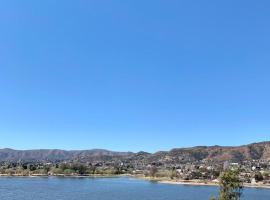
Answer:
(104, 149)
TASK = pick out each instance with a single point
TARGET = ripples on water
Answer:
(108, 189)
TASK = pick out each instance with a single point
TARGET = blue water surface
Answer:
(53, 188)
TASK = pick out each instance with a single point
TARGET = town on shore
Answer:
(197, 165)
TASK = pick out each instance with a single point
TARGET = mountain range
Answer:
(255, 151)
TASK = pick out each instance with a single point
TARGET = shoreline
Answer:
(208, 183)
(64, 176)
(158, 180)
(196, 182)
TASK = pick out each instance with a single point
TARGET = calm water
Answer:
(107, 189)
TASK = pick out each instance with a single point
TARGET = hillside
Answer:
(255, 151)
(58, 155)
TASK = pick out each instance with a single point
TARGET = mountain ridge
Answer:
(253, 151)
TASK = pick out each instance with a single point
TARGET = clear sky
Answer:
(134, 75)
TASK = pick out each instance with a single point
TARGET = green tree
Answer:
(79, 168)
(68, 171)
(92, 169)
(265, 175)
(258, 177)
(231, 187)
(63, 166)
(173, 173)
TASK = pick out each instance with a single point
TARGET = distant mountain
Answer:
(58, 155)
(255, 151)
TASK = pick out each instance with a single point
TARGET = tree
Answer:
(79, 168)
(231, 187)
(92, 169)
(258, 177)
(63, 166)
(173, 173)
(68, 171)
(265, 175)
(153, 171)
(117, 168)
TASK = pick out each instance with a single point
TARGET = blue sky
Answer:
(133, 75)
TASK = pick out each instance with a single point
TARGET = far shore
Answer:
(209, 183)
(158, 180)
(67, 176)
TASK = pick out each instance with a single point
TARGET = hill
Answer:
(255, 151)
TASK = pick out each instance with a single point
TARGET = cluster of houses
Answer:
(253, 171)
(250, 171)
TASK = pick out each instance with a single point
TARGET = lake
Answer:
(53, 188)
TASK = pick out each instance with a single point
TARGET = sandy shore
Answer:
(208, 183)
(189, 183)
(196, 182)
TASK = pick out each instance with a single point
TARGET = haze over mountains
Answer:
(255, 151)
